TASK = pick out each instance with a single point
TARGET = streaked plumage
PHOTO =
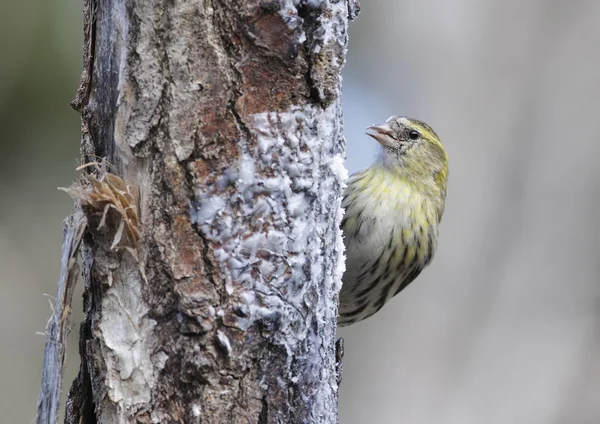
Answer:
(392, 212)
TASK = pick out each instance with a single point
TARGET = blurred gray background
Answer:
(504, 327)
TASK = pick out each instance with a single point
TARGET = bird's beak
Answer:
(383, 134)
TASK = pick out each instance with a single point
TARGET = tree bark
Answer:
(224, 121)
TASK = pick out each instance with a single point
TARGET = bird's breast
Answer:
(386, 220)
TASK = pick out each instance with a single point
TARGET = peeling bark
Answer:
(226, 118)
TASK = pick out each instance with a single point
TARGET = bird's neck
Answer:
(417, 180)
(429, 179)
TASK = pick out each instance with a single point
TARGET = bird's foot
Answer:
(339, 356)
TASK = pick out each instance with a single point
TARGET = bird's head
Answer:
(411, 149)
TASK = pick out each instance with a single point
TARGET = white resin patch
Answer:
(280, 247)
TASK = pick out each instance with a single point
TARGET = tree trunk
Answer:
(223, 119)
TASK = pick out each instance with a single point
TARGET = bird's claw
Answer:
(339, 356)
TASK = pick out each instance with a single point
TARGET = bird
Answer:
(392, 213)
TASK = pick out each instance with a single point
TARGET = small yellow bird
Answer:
(393, 209)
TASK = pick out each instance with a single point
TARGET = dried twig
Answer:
(57, 328)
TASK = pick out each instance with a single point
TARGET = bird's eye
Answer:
(413, 134)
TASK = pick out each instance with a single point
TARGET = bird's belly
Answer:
(372, 232)
(370, 239)
(386, 248)
(370, 244)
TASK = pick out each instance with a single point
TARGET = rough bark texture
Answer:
(226, 118)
